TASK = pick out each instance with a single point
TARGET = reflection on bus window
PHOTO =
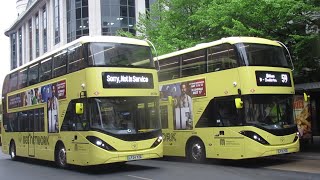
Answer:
(124, 115)
(112, 54)
(271, 111)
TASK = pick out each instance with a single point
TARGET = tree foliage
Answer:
(176, 24)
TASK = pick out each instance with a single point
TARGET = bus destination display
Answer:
(270, 78)
(127, 80)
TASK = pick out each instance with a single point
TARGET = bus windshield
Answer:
(129, 115)
(262, 55)
(269, 111)
(119, 55)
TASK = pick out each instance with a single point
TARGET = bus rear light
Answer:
(157, 142)
(100, 143)
(254, 136)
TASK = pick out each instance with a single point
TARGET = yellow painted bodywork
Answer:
(232, 145)
(81, 151)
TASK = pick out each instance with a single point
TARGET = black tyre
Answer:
(196, 151)
(61, 156)
(12, 151)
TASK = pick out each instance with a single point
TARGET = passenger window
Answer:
(226, 113)
(23, 121)
(164, 116)
(221, 57)
(193, 63)
(170, 68)
(220, 112)
(22, 80)
(73, 121)
(207, 117)
(45, 69)
(31, 121)
(33, 74)
(39, 120)
(60, 64)
(13, 125)
(13, 82)
(6, 85)
(75, 59)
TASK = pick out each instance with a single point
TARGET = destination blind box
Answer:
(272, 78)
(127, 80)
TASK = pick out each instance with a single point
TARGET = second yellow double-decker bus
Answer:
(228, 99)
(86, 103)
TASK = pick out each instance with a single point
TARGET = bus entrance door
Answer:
(228, 144)
(31, 144)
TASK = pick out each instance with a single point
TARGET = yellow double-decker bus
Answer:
(86, 103)
(227, 99)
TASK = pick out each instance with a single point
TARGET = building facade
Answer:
(44, 25)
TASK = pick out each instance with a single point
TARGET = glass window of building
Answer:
(56, 22)
(30, 39)
(77, 19)
(37, 36)
(149, 4)
(44, 31)
(20, 46)
(116, 15)
(13, 51)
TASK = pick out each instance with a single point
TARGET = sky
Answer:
(8, 15)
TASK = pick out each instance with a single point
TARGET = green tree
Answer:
(176, 24)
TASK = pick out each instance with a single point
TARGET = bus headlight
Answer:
(157, 142)
(100, 143)
(297, 137)
(254, 136)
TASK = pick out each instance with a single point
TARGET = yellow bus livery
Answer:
(86, 103)
(227, 99)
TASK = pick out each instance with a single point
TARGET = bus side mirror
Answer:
(306, 97)
(238, 102)
(79, 108)
(170, 100)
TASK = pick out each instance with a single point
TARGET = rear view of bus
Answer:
(228, 99)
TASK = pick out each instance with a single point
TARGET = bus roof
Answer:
(83, 40)
(230, 40)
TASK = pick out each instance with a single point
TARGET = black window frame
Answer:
(23, 78)
(194, 63)
(42, 75)
(33, 71)
(211, 116)
(60, 62)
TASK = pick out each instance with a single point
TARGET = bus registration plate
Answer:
(134, 157)
(282, 151)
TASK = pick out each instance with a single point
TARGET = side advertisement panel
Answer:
(302, 116)
(49, 94)
(182, 94)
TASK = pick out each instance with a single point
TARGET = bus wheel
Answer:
(12, 151)
(61, 156)
(197, 151)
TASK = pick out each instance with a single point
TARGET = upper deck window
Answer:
(119, 55)
(262, 55)
(221, 57)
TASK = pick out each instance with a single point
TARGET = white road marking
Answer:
(137, 177)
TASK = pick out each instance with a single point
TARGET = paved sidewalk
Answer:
(308, 151)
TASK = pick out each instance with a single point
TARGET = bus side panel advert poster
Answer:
(38, 95)
(302, 115)
(194, 88)
(182, 94)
